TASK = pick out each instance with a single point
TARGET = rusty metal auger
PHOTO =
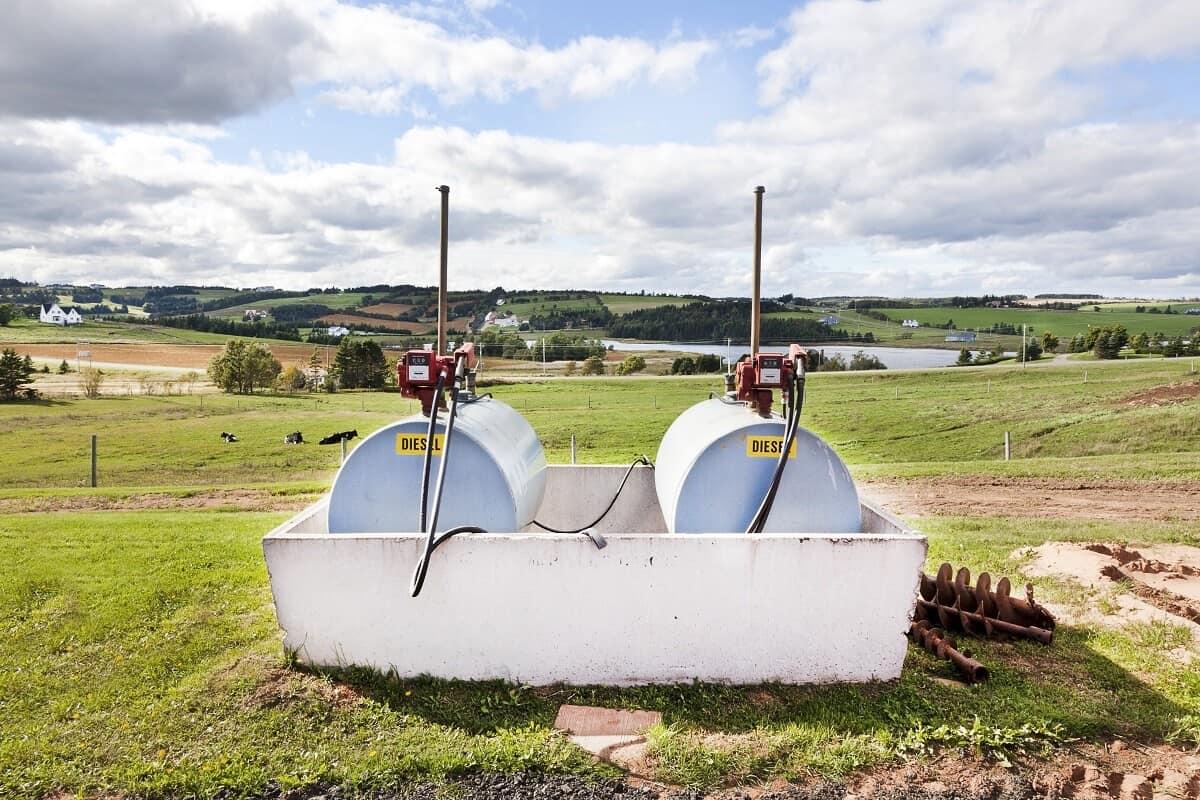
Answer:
(954, 604)
(936, 642)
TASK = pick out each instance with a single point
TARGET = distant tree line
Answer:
(957, 301)
(299, 313)
(1067, 296)
(700, 365)
(723, 319)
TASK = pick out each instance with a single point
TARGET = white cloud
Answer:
(930, 147)
(161, 61)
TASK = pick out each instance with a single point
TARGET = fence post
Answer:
(93, 461)
(572, 448)
(343, 450)
(1007, 446)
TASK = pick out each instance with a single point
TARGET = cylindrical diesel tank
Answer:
(495, 477)
(715, 464)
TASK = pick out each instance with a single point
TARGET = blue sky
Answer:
(919, 147)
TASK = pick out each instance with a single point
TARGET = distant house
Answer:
(1192, 311)
(910, 323)
(510, 321)
(338, 330)
(500, 301)
(264, 289)
(490, 318)
(960, 336)
(314, 377)
(253, 314)
(829, 320)
(52, 314)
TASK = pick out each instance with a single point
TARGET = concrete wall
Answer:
(577, 494)
(649, 608)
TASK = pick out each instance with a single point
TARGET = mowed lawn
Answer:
(139, 652)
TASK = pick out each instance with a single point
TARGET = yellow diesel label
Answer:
(413, 444)
(767, 447)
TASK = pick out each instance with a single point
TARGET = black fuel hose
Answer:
(431, 544)
(437, 397)
(596, 538)
(759, 521)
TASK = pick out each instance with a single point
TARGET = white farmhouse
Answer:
(338, 330)
(52, 314)
(910, 323)
(510, 321)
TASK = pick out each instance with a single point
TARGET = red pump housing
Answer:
(417, 374)
(757, 378)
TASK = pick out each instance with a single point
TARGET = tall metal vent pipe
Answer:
(443, 305)
(756, 304)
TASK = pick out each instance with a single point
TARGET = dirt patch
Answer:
(209, 499)
(1165, 395)
(982, 495)
(1172, 572)
(281, 687)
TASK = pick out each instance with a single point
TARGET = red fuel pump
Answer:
(418, 373)
(757, 378)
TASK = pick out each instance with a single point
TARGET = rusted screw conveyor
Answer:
(955, 605)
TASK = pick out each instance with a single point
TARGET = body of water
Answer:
(892, 357)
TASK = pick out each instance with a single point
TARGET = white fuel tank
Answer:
(715, 464)
(495, 478)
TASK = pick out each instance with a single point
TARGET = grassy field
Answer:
(1063, 324)
(340, 301)
(624, 303)
(30, 331)
(139, 653)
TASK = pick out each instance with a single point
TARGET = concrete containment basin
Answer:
(651, 607)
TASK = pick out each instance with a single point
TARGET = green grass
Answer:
(26, 331)
(1063, 324)
(526, 305)
(139, 653)
(338, 302)
(624, 303)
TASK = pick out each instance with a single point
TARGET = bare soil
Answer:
(1165, 395)
(980, 495)
(1170, 573)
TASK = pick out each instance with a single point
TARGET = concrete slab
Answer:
(604, 722)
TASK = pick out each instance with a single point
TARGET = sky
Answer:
(911, 147)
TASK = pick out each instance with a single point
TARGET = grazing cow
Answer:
(294, 438)
(337, 438)
(228, 437)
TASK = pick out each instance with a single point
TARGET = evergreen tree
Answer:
(360, 364)
(14, 374)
